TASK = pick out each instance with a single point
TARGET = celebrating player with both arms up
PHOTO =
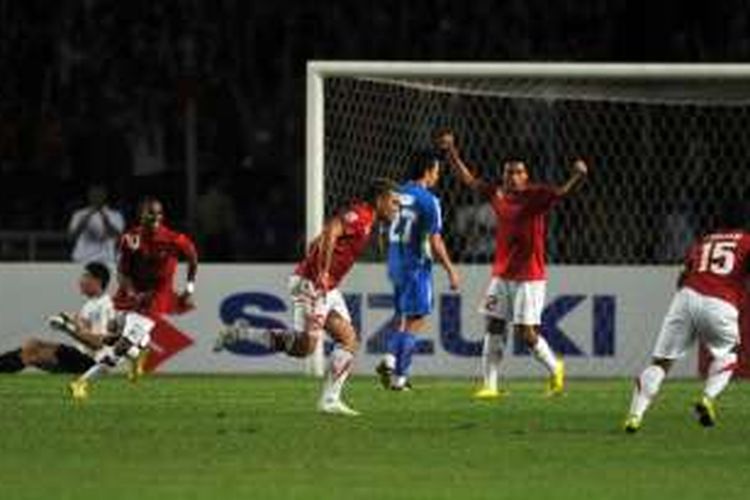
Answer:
(517, 288)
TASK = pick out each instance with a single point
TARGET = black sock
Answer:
(10, 362)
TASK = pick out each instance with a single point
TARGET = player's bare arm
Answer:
(445, 142)
(437, 246)
(327, 241)
(191, 256)
(580, 171)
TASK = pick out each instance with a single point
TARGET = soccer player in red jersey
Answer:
(710, 290)
(516, 290)
(317, 303)
(149, 254)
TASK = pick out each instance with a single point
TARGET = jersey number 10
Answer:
(718, 257)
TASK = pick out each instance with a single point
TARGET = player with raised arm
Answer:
(710, 290)
(318, 305)
(414, 240)
(517, 287)
(88, 329)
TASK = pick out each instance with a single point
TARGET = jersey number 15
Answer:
(718, 257)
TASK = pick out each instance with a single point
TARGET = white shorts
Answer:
(693, 316)
(310, 307)
(520, 302)
(137, 329)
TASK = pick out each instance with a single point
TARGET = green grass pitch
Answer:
(259, 437)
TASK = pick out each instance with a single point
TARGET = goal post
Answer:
(651, 131)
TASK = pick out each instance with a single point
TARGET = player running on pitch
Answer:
(711, 288)
(414, 238)
(516, 291)
(88, 328)
(149, 254)
(318, 305)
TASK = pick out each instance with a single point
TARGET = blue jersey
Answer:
(419, 217)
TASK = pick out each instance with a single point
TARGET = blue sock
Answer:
(407, 344)
(393, 342)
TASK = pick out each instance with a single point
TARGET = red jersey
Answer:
(718, 264)
(521, 231)
(357, 221)
(149, 259)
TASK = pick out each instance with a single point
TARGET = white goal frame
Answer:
(318, 71)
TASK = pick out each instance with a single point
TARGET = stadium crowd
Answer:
(95, 91)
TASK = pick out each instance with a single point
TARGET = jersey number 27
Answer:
(402, 225)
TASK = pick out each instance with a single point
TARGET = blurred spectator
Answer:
(475, 223)
(95, 229)
(217, 228)
(94, 82)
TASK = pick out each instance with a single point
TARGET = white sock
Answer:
(719, 374)
(390, 361)
(646, 387)
(95, 371)
(339, 369)
(492, 354)
(544, 354)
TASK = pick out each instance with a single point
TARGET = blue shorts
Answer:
(412, 292)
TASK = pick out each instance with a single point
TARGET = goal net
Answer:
(666, 143)
(664, 147)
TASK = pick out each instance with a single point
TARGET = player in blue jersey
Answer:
(414, 240)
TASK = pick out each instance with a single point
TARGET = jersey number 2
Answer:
(718, 257)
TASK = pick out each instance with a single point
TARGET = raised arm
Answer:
(445, 142)
(580, 171)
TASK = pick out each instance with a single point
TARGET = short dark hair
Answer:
(100, 272)
(420, 162)
(378, 187)
(147, 200)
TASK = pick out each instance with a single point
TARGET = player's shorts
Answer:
(692, 316)
(137, 330)
(412, 292)
(520, 302)
(71, 360)
(310, 307)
